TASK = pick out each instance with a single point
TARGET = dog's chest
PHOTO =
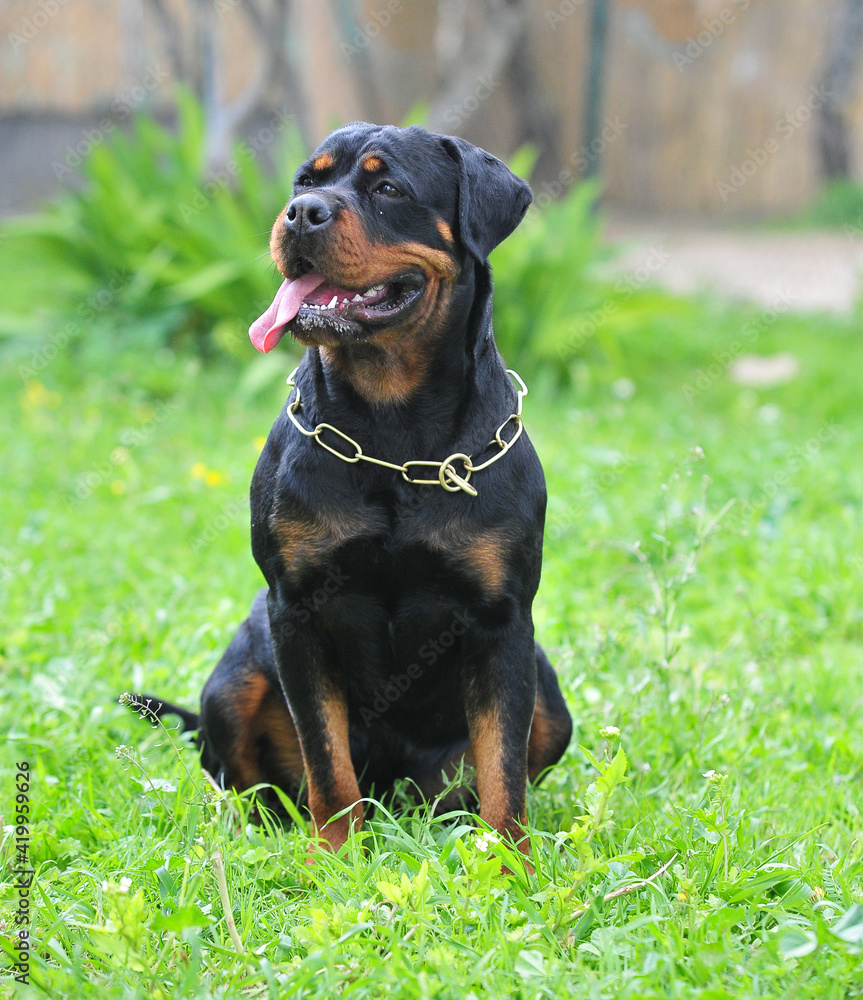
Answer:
(394, 545)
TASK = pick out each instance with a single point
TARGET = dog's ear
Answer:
(491, 199)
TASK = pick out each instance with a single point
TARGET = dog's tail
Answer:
(152, 709)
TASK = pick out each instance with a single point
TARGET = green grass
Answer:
(125, 564)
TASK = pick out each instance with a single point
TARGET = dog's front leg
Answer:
(319, 709)
(499, 684)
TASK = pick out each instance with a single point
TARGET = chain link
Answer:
(446, 475)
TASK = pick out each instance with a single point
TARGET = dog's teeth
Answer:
(373, 290)
(357, 298)
(333, 302)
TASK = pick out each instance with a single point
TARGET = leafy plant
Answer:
(154, 251)
(671, 558)
(555, 299)
(116, 589)
(152, 247)
(840, 204)
(598, 814)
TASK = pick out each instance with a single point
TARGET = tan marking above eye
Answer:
(323, 162)
(445, 230)
(372, 163)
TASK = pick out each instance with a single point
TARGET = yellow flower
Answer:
(35, 394)
(259, 443)
(199, 470)
(213, 478)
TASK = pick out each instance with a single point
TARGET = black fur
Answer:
(418, 593)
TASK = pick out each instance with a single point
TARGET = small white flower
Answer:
(609, 732)
(708, 774)
(481, 844)
(623, 388)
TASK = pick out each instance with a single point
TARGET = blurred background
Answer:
(683, 300)
(663, 97)
(176, 125)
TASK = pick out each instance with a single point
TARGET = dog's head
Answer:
(382, 224)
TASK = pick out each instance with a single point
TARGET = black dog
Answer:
(399, 533)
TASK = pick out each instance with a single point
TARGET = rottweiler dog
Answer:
(397, 507)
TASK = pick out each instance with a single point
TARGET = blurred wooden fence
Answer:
(709, 106)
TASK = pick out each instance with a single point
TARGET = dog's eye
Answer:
(387, 190)
(305, 181)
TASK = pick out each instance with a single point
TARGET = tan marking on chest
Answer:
(312, 540)
(481, 556)
(486, 557)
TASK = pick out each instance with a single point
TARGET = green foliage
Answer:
(555, 301)
(718, 856)
(152, 250)
(713, 619)
(839, 204)
(543, 280)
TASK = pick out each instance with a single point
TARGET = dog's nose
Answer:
(307, 211)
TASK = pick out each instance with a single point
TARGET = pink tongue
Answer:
(269, 329)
